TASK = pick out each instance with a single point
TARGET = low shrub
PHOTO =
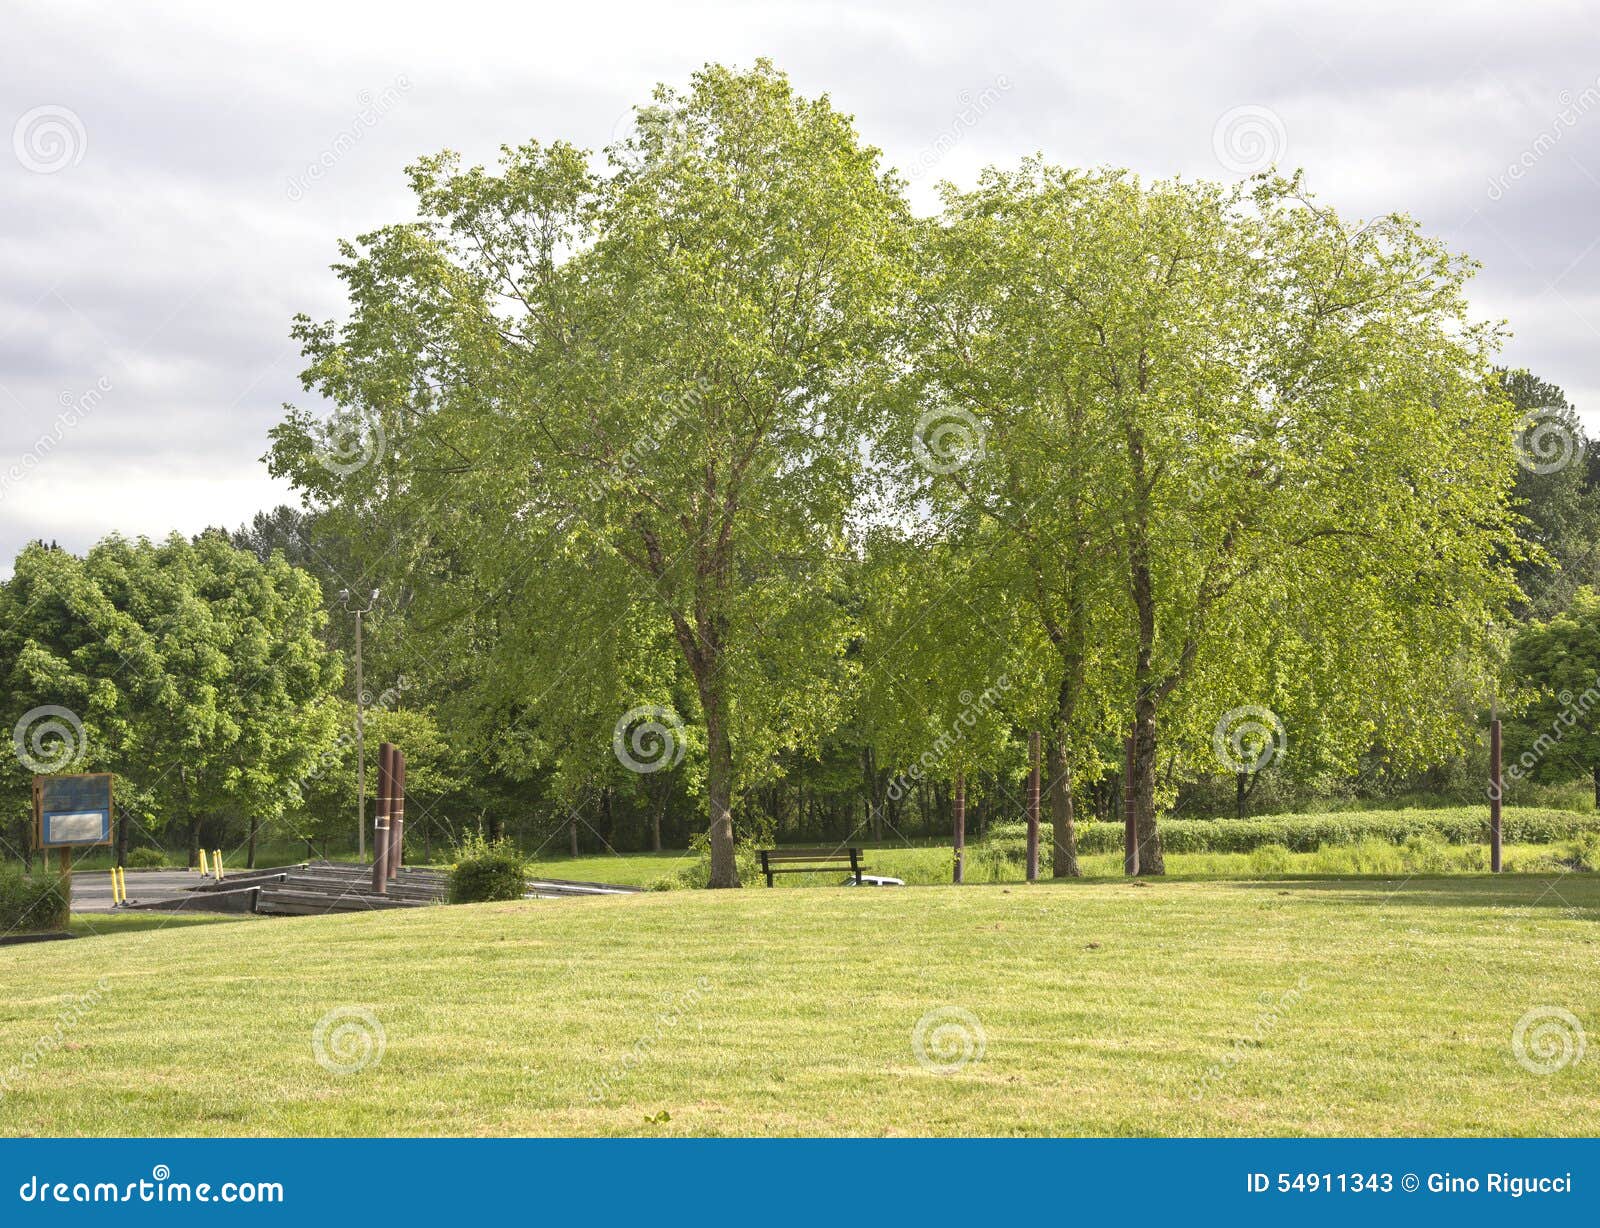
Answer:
(1271, 859)
(697, 873)
(1306, 833)
(146, 859)
(33, 903)
(486, 870)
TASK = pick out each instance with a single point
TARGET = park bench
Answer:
(809, 861)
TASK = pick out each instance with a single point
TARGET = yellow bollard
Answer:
(115, 898)
(205, 870)
(119, 890)
(216, 860)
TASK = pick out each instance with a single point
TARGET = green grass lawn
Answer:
(1108, 1007)
(101, 924)
(932, 865)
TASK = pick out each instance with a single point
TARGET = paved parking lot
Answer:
(91, 891)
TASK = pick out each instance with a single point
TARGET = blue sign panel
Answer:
(73, 810)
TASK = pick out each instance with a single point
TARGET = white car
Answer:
(874, 880)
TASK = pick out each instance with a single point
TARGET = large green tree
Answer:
(1555, 665)
(191, 669)
(1271, 426)
(1555, 491)
(634, 396)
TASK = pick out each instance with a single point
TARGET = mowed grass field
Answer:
(926, 865)
(1103, 1008)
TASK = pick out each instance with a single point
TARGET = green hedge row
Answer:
(1306, 833)
(32, 903)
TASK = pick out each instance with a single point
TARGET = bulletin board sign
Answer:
(72, 811)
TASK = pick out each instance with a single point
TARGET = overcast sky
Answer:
(177, 175)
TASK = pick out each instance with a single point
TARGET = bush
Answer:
(1306, 833)
(487, 871)
(32, 903)
(146, 859)
(1271, 859)
(697, 874)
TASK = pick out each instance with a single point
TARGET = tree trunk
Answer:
(1144, 791)
(1064, 836)
(122, 838)
(958, 823)
(1033, 806)
(194, 843)
(1594, 774)
(719, 795)
(572, 835)
(1238, 794)
(250, 850)
(874, 792)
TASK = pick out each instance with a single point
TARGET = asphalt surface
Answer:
(91, 892)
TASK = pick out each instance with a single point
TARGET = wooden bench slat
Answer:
(810, 861)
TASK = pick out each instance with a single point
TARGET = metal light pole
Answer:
(361, 722)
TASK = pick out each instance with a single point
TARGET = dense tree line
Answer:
(710, 494)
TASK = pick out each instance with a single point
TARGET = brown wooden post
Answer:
(958, 811)
(397, 814)
(380, 824)
(1130, 838)
(1033, 807)
(1495, 790)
